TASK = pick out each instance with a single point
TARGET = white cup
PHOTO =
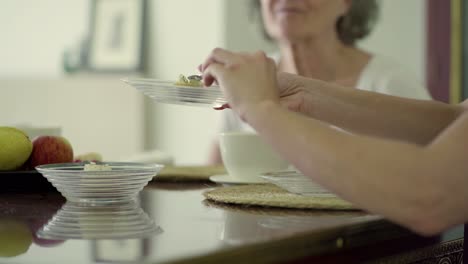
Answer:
(240, 228)
(246, 156)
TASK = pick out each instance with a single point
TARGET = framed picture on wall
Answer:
(116, 35)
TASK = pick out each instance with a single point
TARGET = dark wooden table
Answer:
(197, 231)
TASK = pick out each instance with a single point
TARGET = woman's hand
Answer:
(247, 79)
(296, 92)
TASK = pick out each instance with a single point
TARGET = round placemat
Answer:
(188, 173)
(270, 195)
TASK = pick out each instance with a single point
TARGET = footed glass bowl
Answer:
(296, 182)
(124, 220)
(122, 183)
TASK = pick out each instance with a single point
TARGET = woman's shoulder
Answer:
(385, 75)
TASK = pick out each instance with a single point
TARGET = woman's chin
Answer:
(288, 34)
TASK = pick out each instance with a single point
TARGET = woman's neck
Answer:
(325, 58)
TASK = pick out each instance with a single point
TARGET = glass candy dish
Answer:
(124, 220)
(123, 182)
(296, 182)
(168, 92)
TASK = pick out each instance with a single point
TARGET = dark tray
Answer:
(24, 181)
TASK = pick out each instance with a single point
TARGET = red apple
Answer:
(50, 149)
(37, 224)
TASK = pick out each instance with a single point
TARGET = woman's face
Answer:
(292, 20)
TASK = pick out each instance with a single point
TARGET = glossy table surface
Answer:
(191, 229)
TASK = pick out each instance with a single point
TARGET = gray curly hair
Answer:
(356, 24)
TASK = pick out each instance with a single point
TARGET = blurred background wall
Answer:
(99, 113)
(36, 33)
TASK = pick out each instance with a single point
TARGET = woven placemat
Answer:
(188, 173)
(280, 211)
(270, 195)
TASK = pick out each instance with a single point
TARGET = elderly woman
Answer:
(317, 39)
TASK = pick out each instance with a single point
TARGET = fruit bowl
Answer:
(122, 182)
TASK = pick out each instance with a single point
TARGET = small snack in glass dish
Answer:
(108, 182)
(93, 166)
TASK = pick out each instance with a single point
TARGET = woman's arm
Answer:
(417, 121)
(422, 188)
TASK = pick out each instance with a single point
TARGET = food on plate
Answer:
(50, 149)
(92, 166)
(15, 148)
(90, 156)
(192, 80)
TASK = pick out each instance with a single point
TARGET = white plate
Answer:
(168, 92)
(226, 179)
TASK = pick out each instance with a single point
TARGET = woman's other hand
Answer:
(296, 92)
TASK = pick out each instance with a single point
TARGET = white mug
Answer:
(241, 227)
(246, 156)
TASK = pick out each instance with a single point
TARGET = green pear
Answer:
(15, 148)
(15, 238)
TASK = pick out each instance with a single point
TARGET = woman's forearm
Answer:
(377, 174)
(417, 121)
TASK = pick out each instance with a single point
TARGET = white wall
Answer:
(401, 34)
(243, 29)
(35, 33)
(183, 33)
(97, 113)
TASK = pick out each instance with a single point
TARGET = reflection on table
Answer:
(195, 231)
(123, 220)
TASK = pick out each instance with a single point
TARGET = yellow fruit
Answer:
(15, 148)
(15, 238)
